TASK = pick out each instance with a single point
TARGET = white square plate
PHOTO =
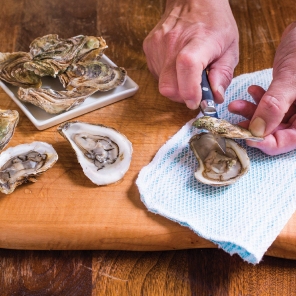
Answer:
(43, 120)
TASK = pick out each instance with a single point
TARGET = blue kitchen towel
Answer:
(243, 218)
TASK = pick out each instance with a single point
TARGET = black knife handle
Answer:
(207, 104)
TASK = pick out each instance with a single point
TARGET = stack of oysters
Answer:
(75, 61)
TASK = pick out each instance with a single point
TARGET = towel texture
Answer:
(243, 218)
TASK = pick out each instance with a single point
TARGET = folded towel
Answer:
(243, 218)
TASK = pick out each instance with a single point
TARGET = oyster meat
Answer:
(8, 121)
(103, 153)
(23, 163)
(216, 168)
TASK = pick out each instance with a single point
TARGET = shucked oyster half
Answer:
(103, 153)
(8, 122)
(216, 168)
(23, 163)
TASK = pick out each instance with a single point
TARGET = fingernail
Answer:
(191, 104)
(257, 127)
(221, 91)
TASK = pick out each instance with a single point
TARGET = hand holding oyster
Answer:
(216, 168)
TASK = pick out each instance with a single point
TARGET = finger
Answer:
(168, 83)
(272, 107)
(257, 92)
(243, 108)
(281, 141)
(221, 71)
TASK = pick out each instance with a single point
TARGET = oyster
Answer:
(224, 128)
(52, 55)
(13, 71)
(23, 163)
(216, 168)
(81, 80)
(8, 121)
(92, 74)
(52, 101)
(103, 153)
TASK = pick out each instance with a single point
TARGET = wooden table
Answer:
(65, 236)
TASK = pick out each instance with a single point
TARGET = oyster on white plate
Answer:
(216, 168)
(23, 163)
(103, 153)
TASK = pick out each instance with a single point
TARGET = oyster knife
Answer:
(208, 106)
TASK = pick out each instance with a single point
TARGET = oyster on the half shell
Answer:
(216, 168)
(22, 163)
(103, 153)
(8, 122)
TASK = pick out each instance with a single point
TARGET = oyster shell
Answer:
(92, 74)
(52, 101)
(224, 128)
(103, 153)
(81, 80)
(13, 71)
(8, 121)
(216, 168)
(23, 163)
(52, 55)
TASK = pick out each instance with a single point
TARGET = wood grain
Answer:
(63, 210)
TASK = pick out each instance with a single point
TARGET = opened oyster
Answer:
(23, 163)
(8, 121)
(103, 153)
(216, 168)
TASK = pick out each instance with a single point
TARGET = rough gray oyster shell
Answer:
(52, 55)
(12, 70)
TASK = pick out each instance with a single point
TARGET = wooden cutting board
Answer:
(64, 210)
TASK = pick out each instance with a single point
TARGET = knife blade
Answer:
(208, 106)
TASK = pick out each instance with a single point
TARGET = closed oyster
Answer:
(103, 153)
(13, 71)
(8, 121)
(52, 55)
(52, 101)
(81, 80)
(22, 163)
(93, 74)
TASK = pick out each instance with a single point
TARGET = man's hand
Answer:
(192, 35)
